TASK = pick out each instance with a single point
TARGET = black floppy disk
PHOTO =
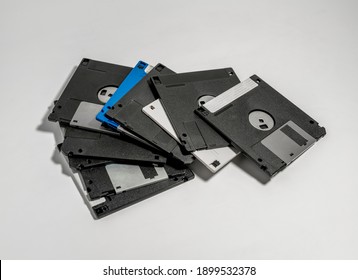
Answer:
(128, 112)
(91, 86)
(115, 178)
(93, 82)
(88, 144)
(122, 200)
(261, 122)
(181, 94)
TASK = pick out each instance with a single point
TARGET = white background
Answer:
(307, 50)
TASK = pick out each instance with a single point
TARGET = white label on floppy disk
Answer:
(230, 95)
(213, 159)
(125, 177)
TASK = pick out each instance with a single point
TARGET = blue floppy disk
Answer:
(137, 73)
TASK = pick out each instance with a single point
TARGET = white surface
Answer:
(305, 49)
(223, 155)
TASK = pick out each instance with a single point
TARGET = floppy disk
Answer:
(266, 126)
(84, 143)
(128, 113)
(117, 178)
(93, 82)
(213, 159)
(181, 94)
(122, 200)
(92, 85)
(137, 73)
